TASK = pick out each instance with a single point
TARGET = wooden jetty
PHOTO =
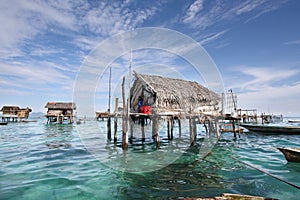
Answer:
(14, 113)
(291, 154)
(158, 99)
(60, 112)
(272, 129)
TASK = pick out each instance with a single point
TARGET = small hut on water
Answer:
(60, 112)
(14, 113)
(170, 95)
(157, 97)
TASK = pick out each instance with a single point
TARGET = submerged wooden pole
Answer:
(172, 127)
(142, 118)
(168, 128)
(108, 128)
(192, 137)
(233, 128)
(179, 127)
(155, 128)
(124, 119)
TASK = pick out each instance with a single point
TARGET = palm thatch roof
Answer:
(171, 93)
(61, 105)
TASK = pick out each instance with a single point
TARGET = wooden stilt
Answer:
(143, 127)
(109, 128)
(233, 128)
(194, 127)
(172, 127)
(179, 127)
(155, 133)
(124, 119)
(115, 129)
(168, 128)
(116, 121)
(192, 137)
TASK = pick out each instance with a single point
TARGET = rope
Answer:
(267, 173)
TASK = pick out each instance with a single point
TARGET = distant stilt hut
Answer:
(14, 113)
(60, 112)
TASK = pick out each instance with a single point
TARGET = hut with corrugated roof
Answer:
(60, 112)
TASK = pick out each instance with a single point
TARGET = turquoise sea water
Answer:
(39, 161)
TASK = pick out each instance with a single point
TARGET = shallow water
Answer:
(41, 161)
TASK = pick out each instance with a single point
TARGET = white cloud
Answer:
(278, 100)
(212, 37)
(108, 19)
(263, 77)
(32, 75)
(267, 89)
(195, 8)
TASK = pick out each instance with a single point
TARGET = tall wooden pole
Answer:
(124, 119)
(108, 110)
(116, 121)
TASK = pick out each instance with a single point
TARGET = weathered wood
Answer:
(124, 117)
(142, 118)
(172, 127)
(116, 121)
(179, 127)
(192, 136)
(155, 123)
(109, 128)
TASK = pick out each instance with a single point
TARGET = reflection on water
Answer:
(41, 161)
(58, 135)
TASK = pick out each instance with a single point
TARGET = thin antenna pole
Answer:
(109, 90)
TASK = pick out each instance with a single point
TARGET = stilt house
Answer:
(172, 95)
(14, 113)
(59, 112)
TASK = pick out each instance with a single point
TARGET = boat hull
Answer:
(273, 130)
(291, 154)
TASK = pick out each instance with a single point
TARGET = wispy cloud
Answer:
(261, 78)
(107, 19)
(212, 37)
(216, 12)
(294, 42)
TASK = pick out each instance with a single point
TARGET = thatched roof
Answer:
(171, 93)
(61, 105)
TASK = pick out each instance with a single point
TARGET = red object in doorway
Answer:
(145, 109)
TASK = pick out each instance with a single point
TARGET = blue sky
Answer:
(254, 43)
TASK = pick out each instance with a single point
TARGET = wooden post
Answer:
(194, 128)
(143, 127)
(192, 137)
(109, 126)
(233, 128)
(179, 126)
(124, 119)
(116, 121)
(172, 127)
(155, 133)
(168, 128)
